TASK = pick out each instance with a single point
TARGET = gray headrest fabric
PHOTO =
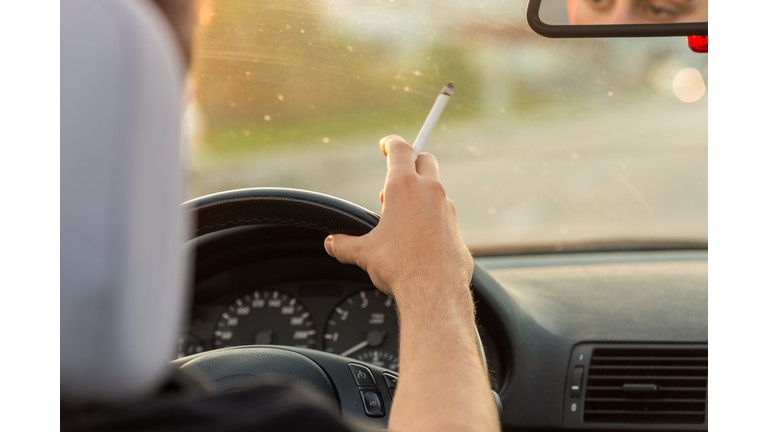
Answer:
(122, 268)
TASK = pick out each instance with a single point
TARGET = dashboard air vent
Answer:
(647, 386)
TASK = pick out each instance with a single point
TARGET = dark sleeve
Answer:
(269, 407)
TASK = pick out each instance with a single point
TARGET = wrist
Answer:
(434, 300)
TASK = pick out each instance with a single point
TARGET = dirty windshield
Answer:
(545, 141)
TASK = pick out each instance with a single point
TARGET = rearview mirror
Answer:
(618, 18)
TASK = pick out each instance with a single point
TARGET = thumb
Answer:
(347, 249)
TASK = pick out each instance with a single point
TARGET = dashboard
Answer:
(352, 319)
(276, 285)
(589, 341)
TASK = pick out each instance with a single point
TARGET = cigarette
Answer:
(432, 118)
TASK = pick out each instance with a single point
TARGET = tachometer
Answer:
(265, 317)
(364, 326)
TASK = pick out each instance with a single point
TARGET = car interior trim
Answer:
(592, 258)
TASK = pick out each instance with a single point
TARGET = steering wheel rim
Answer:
(278, 206)
(303, 209)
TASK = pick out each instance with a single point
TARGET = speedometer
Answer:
(265, 317)
(364, 326)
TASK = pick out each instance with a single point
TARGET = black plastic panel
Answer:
(347, 390)
(547, 311)
(643, 302)
(574, 406)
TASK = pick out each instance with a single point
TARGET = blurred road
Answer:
(637, 170)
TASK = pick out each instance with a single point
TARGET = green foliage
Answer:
(263, 84)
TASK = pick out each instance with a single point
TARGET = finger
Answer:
(399, 154)
(426, 166)
(346, 249)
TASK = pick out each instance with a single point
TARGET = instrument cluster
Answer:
(352, 319)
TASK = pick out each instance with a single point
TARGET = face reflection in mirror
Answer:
(581, 12)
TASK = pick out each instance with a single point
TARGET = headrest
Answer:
(122, 272)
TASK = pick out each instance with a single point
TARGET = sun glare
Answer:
(688, 85)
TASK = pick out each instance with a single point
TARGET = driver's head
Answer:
(636, 11)
(183, 16)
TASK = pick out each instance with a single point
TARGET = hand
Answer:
(417, 242)
(416, 255)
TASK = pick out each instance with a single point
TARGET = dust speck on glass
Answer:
(545, 141)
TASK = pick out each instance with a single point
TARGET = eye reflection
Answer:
(658, 13)
(600, 4)
(636, 11)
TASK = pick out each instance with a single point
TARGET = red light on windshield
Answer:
(699, 44)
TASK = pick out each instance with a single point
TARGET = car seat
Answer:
(123, 271)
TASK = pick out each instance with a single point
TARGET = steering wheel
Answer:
(357, 388)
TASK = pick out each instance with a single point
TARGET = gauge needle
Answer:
(357, 347)
(374, 338)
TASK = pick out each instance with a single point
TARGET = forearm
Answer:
(416, 254)
(443, 385)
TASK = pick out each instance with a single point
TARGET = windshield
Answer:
(544, 142)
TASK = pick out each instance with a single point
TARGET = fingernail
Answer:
(329, 246)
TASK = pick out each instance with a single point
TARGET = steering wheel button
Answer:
(391, 380)
(363, 375)
(372, 403)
